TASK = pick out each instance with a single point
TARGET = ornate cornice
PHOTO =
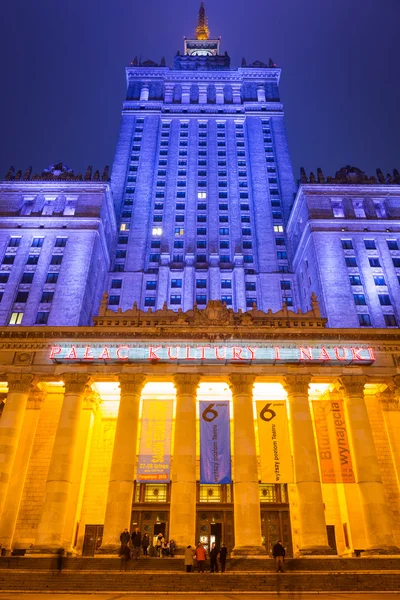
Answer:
(131, 384)
(296, 385)
(75, 383)
(36, 398)
(186, 384)
(216, 314)
(352, 385)
(241, 384)
(91, 400)
(19, 382)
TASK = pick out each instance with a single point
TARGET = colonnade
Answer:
(57, 518)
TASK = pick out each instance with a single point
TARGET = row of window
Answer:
(364, 320)
(17, 316)
(37, 242)
(351, 261)
(358, 208)
(369, 244)
(28, 277)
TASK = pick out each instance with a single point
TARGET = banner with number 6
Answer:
(215, 446)
(273, 433)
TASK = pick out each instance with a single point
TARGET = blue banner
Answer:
(215, 448)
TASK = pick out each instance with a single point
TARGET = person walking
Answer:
(213, 559)
(124, 538)
(145, 544)
(201, 556)
(60, 559)
(222, 557)
(125, 555)
(278, 552)
(189, 559)
(136, 543)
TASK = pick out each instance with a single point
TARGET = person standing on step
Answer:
(136, 543)
(222, 557)
(124, 539)
(201, 556)
(172, 548)
(213, 559)
(278, 552)
(189, 559)
(145, 544)
(159, 544)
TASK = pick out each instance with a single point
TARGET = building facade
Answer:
(193, 348)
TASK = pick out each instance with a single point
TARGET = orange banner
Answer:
(333, 442)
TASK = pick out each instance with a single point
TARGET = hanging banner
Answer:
(333, 442)
(215, 447)
(273, 433)
(321, 409)
(154, 461)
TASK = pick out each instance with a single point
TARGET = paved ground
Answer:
(216, 596)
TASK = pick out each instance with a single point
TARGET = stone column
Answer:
(120, 488)
(390, 404)
(90, 404)
(183, 476)
(236, 92)
(220, 97)
(246, 489)
(10, 426)
(21, 462)
(144, 92)
(261, 92)
(50, 534)
(202, 93)
(186, 93)
(374, 509)
(168, 92)
(313, 536)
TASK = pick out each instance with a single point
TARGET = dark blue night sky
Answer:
(63, 79)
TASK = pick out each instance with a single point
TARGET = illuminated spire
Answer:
(202, 31)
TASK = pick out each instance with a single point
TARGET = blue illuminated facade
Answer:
(201, 206)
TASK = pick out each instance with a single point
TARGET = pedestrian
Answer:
(165, 548)
(189, 559)
(136, 543)
(159, 544)
(213, 559)
(222, 557)
(124, 538)
(201, 556)
(145, 544)
(60, 559)
(278, 552)
(172, 548)
(125, 555)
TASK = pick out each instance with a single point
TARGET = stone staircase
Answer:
(38, 573)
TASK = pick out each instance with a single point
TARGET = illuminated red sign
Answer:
(211, 353)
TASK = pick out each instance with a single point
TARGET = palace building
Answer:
(198, 346)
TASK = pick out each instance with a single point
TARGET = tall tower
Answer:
(202, 184)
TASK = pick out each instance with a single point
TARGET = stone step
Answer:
(70, 581)
(262, 565)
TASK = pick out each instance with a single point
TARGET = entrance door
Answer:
(275, 526)
(92, 540)
(216, 535)
(330, 531)
(159, 528)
